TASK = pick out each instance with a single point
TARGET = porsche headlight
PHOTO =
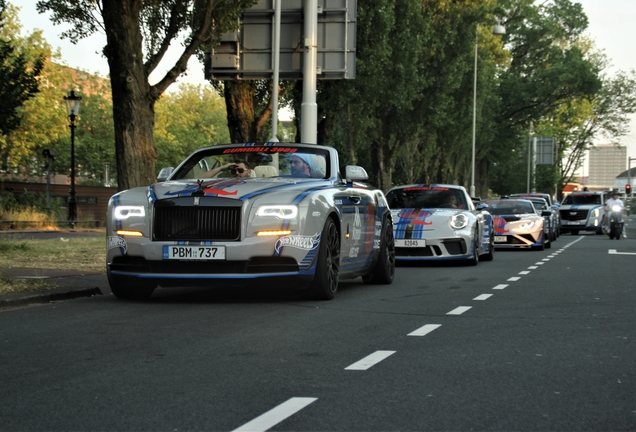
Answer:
(125, 212)
(278, 211)
(459, 221)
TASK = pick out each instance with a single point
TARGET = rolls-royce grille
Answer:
(197, 223)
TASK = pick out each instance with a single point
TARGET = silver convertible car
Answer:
(439, 222)
(247, 214)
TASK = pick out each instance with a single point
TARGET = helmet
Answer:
(615, 192)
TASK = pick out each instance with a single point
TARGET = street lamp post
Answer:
(498, 30)
(72, 102)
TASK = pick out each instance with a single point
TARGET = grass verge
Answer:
(84, 254)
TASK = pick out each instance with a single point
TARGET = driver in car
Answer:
(238, 169)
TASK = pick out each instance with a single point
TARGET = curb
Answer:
(49, 297)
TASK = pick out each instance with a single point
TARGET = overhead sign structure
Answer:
(544, 150)
(248, 53)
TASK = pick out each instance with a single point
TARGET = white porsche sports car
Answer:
(250, 213)
(439, 222)
(519, 225)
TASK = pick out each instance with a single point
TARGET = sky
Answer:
(612, 25)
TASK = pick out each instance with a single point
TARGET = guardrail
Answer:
(24, 224)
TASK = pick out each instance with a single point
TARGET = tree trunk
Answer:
(240, 110)
(133, 105)
(381, 166)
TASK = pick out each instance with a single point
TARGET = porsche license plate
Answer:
(500, 239)
(410, 243)
(194, 252)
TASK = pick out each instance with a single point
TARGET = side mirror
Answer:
(164, 174)
(355, 173)
(546, 213)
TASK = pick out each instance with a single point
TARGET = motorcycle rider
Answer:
(616, 201)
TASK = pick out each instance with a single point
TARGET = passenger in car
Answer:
(301, 165)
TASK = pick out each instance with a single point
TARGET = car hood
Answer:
(426, 217)
(230, 188)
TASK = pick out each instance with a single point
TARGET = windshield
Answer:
(270, 161)
(582, 199)
(509, 207)
(427, 197)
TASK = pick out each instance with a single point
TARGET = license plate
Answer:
(410, 243)
(194, 252)
(574, 223)
(501, 239)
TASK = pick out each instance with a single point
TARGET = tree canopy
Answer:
(18, 75)
(138, 35)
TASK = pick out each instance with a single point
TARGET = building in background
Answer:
(606, 162)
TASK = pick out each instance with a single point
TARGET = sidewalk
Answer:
(69, 284)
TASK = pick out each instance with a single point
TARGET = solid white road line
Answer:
(459, 310)
(483, 297)
(370, 360)
(424, 330)
(500, 286)
(613, 252)
(276, 415)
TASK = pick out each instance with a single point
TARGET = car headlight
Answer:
(527, 226)
(124, 212)
(279, 211)
(459, 221)
(595, 212)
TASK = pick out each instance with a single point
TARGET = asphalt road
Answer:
(531, 341)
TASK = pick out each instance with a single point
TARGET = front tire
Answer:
(384, 270)
(325, 283)
(474, 260)
(490, 255)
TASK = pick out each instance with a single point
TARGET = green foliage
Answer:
(18, 75)
(186, 120)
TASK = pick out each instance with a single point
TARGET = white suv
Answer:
(582, 211)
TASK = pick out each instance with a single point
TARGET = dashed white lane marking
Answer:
(525, 272)
(545, 259)
(424, 330)
(514, 279)
(459, 310)
(370, 360)
(539, 263)
(500, 286)
(533, 267)
(614, 252)
(276, 415)
(483, 297)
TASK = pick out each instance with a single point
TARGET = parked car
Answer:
(583, 211)
(517, 224)
(308, 227)
(439, 222)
